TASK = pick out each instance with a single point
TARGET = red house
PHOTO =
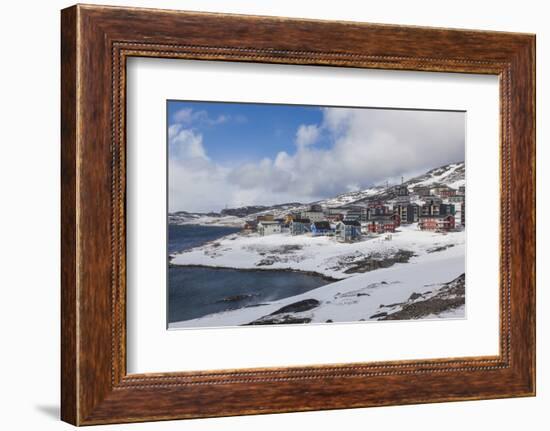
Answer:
(447, 193)
(382, 224)
(438, 223)
(396, 220)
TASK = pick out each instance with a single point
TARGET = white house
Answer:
(313, 216)
(269, 227)
(459, 215)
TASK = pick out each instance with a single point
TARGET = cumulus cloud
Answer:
(185, 143)
(307, 135)
(366, 147)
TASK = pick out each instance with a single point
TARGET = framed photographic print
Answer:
(268, 203)
(260, 217)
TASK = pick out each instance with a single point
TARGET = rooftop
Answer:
(351, 222)
(322, 224)
(436, 216)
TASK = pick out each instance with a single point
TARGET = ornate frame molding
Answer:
(96, 41)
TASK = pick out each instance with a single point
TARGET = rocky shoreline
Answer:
(449, 297)
(418, 306)
(312, 273)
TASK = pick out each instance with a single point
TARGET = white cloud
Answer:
(185, 143)
(307, 135)
(184, 116)
(367, 146)
(191, 117)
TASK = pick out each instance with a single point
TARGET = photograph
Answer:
(291, 214)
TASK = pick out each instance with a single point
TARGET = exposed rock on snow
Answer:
(257, 209)
(287, 314)
(378, 315)
(296, 307)
(377, 261)
(280, 319)
(439, 248)
(236, 298)
(444, 299)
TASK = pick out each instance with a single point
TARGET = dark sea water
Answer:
(195, 292)
(188, 236)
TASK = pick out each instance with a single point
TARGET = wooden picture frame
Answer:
(95, 43)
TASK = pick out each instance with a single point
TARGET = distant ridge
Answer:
(451, 175)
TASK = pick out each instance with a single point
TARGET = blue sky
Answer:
(236, 154)
(238, 132)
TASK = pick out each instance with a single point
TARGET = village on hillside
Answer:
(386, 252)
(437, 207)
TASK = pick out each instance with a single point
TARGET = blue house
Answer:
(348, 230)
(320, 228)
(300, 226)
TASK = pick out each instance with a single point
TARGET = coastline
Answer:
(286, 270)
(315, 255)
(358, 298)
(360, 276)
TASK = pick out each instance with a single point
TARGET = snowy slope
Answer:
(352, 197)
(358, 297)
(450, 175)
(183, 218)
(323, 255)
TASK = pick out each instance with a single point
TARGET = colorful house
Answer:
(447, 193)
(314, 216)
(300, 226)
(320, 228)
(443, 191)
(250, 226)
(382, 224)
(265, 217)
(288, 218)
(438, 223)
(314, 213)
(268, 228)
(348, 230)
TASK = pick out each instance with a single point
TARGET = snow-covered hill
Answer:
(210, 219)
(451, 175)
